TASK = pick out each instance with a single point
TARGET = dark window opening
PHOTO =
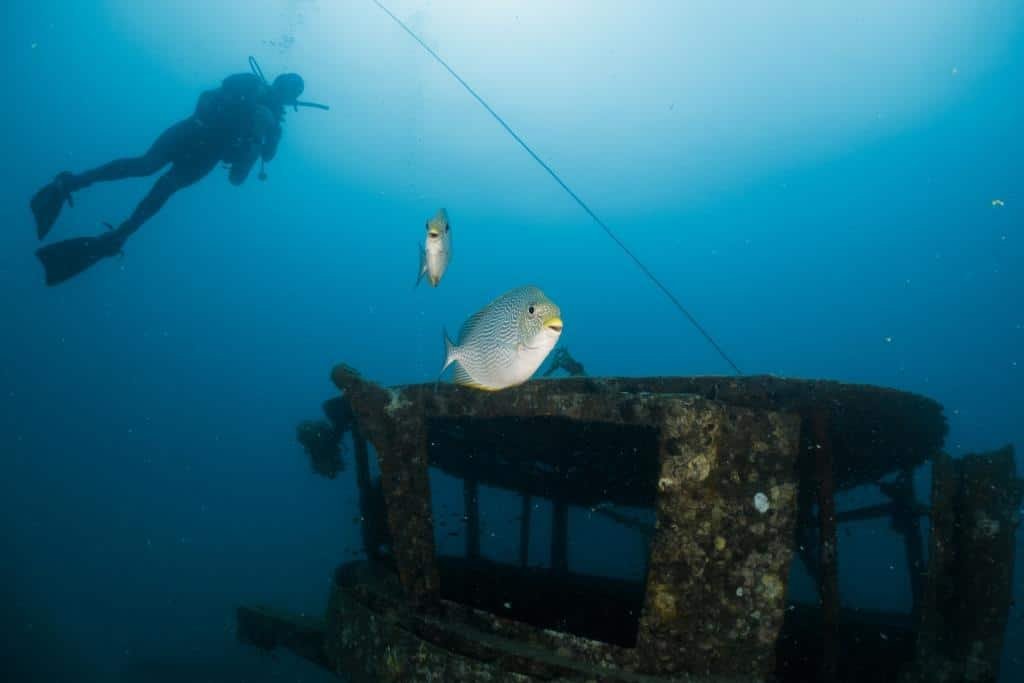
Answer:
(372, 504)
(545, 520)
(881, 545)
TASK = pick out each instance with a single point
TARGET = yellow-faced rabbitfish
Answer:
(436, 251)
(503, 344)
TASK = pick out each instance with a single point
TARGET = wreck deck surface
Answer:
(379, 638)
(874, 431)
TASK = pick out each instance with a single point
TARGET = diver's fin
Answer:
(423, 263)
(47, 203)
(64, 260)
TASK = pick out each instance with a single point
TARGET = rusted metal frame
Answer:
(808, 545)
(906, 521)
(708, 554)
(367, 523)
(471, 516)
(400, 434)
(560, 537)
(879, 511)
(829, 581)
(524, 530)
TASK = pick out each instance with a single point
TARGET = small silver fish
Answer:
(436, 251)
(504, 343)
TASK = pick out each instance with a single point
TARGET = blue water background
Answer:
(815, 181)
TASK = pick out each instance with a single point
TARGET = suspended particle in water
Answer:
(998, 202)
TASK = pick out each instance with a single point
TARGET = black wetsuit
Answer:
(236, 123)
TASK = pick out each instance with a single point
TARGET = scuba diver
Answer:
(237, 123)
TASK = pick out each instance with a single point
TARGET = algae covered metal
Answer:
(725, 481)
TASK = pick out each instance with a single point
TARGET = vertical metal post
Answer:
(909, 523)
(471, 506)
(524, 530)
(368, 524)
(829, 551)
(560, 538)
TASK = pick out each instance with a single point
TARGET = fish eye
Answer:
(531, 309)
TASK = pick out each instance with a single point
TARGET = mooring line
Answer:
(646, 271)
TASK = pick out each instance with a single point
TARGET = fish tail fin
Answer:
(449, 353)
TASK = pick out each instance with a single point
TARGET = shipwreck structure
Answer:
(648, 532)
